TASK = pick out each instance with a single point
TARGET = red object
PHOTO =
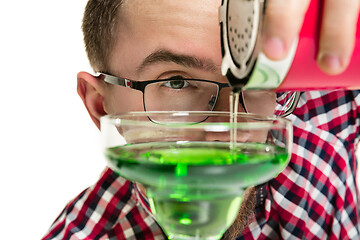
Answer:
(304, 73)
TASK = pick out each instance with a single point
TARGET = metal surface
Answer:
(241, 26)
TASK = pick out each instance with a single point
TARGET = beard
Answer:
(244, 217)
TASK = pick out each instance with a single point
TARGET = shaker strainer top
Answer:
(241, 25)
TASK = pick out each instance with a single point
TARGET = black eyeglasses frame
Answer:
(141, 85)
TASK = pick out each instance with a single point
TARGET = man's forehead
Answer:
(162, 8)
(182, 27)
(173, 3)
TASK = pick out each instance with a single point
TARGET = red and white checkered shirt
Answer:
(315, 197)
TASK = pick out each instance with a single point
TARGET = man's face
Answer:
(168, 28)
(151, 35)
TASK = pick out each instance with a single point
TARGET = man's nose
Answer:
(223, 102)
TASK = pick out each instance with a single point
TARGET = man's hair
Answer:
(99, 29)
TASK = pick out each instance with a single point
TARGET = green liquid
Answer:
(195, 188)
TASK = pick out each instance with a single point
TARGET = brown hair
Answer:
(245, 215)
(99, 30)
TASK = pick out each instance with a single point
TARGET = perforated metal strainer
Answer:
(241, 25)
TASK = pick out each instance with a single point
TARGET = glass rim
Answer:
(125, 118)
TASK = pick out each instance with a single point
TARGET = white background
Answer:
(49, 149)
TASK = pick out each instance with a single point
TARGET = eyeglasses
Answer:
(179, 94)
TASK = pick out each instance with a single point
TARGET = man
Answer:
(315, 197)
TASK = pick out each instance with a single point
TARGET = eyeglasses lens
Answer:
(194, 95)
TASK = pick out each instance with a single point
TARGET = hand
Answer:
(283, 21)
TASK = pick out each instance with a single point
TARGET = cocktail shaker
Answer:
(246, 67)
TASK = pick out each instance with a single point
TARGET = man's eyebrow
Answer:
(163, 55)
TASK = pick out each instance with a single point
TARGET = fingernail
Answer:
(274, 47)
(330, 63)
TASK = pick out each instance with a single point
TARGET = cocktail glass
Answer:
(193, 173)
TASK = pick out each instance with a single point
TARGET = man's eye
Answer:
(176, 84)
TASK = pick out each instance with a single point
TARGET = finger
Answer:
(282, 23)
(337, 35)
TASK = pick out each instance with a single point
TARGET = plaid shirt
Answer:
(315, 197)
